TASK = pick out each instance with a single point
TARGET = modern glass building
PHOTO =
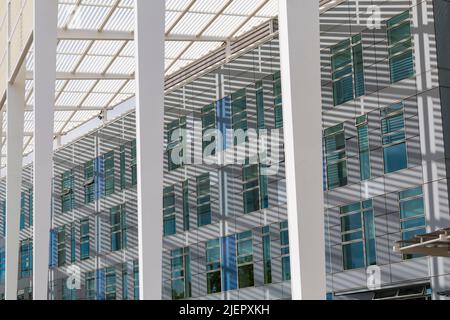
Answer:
(237, 230)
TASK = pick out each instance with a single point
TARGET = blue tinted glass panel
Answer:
(395, 158)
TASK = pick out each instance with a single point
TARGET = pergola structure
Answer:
(63, 62)
(434, 244)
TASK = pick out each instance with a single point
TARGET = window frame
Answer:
(364, 209)
(67, 185)
(350, 45)
(89, 182)
(85, 248)
(213, 267)
(245, 259)
(61, 246)
(389, 29)
(330, 156)
(204, 200)
(109, 173)
(391, 112)
(169, 212)
(403, 197)
(285, 251)
(181, 274)
(118, 228)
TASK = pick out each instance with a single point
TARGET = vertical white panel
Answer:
(149, 41)
(300, 71)
(45, 30)
(15, 120)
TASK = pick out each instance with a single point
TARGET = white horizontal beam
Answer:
(30, 108)
(87, 76)
(94, 35)
(127, 36)
(25, 134)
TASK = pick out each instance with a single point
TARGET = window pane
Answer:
(267, 259)
(410, 193)
(410, 234)
(393, 124)
(412, 208)
(246, 277)
(414, 223)
(341, 59)
(337, 175)
(402, 66)
(352, 236)
(178, 289)
(343, 90)
(335, 142)
(351, 222)
(369, 235)
(169, 226)
(358, 67)
(353, 255)
(284, 237)
(251, 201)
(399, 33)
(213, 281)
(395, 158)
(286, 268)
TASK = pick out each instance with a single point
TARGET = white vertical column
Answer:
(149, 41)
(14, 152)
(1, 137)
(300, 72)
(45, 27)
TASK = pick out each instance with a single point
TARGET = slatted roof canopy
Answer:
(95, 52)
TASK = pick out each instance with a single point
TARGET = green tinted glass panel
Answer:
(412, 208)
(351, 222)
(353, 255)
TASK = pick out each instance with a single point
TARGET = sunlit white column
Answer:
(300, 72)
(149, 41)
(15, 119)
(45, 31)
(1, 137)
